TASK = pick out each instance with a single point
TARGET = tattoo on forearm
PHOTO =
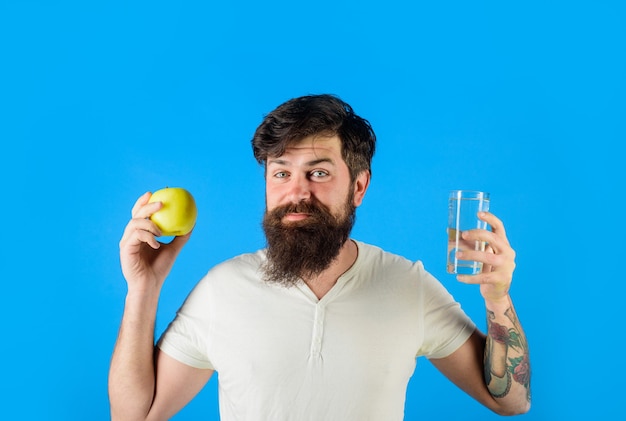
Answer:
(506, 356)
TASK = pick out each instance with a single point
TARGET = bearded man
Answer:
(316, 326)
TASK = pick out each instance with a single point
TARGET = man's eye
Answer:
(319, 174)
(280, 174)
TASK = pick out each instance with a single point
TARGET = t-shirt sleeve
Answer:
(446, 326)
(181, 342)
(183, 339)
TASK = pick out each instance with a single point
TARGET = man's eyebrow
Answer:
(320, 161)
(278, 161)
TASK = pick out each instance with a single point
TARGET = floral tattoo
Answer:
(506, 359)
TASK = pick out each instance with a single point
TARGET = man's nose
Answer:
(299, 189)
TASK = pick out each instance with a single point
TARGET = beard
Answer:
(303, 249)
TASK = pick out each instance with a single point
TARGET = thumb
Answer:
(179, 242)
(171, 250)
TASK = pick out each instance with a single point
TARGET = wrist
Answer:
(499, 305)
(142, 299)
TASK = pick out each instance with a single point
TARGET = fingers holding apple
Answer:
(145, 260)
(177, 213)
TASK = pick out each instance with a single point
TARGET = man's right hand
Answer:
(145, 261)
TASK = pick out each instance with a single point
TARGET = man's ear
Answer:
(361, 184)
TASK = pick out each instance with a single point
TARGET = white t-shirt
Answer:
(283, 355)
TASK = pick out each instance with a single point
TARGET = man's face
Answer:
(312, 168)
(311, 204)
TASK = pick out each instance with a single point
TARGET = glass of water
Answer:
(463, 208)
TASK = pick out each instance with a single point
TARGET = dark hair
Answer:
(325, 115)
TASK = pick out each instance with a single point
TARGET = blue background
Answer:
(101, 101)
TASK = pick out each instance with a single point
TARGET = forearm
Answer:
(131, 376)
(506, 359)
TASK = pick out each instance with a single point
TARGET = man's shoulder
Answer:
(242, 263)
(370, 254)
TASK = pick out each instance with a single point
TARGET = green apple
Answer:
(179, 212)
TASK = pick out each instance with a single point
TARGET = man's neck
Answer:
(326, 280)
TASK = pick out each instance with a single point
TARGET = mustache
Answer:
(313, 207)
